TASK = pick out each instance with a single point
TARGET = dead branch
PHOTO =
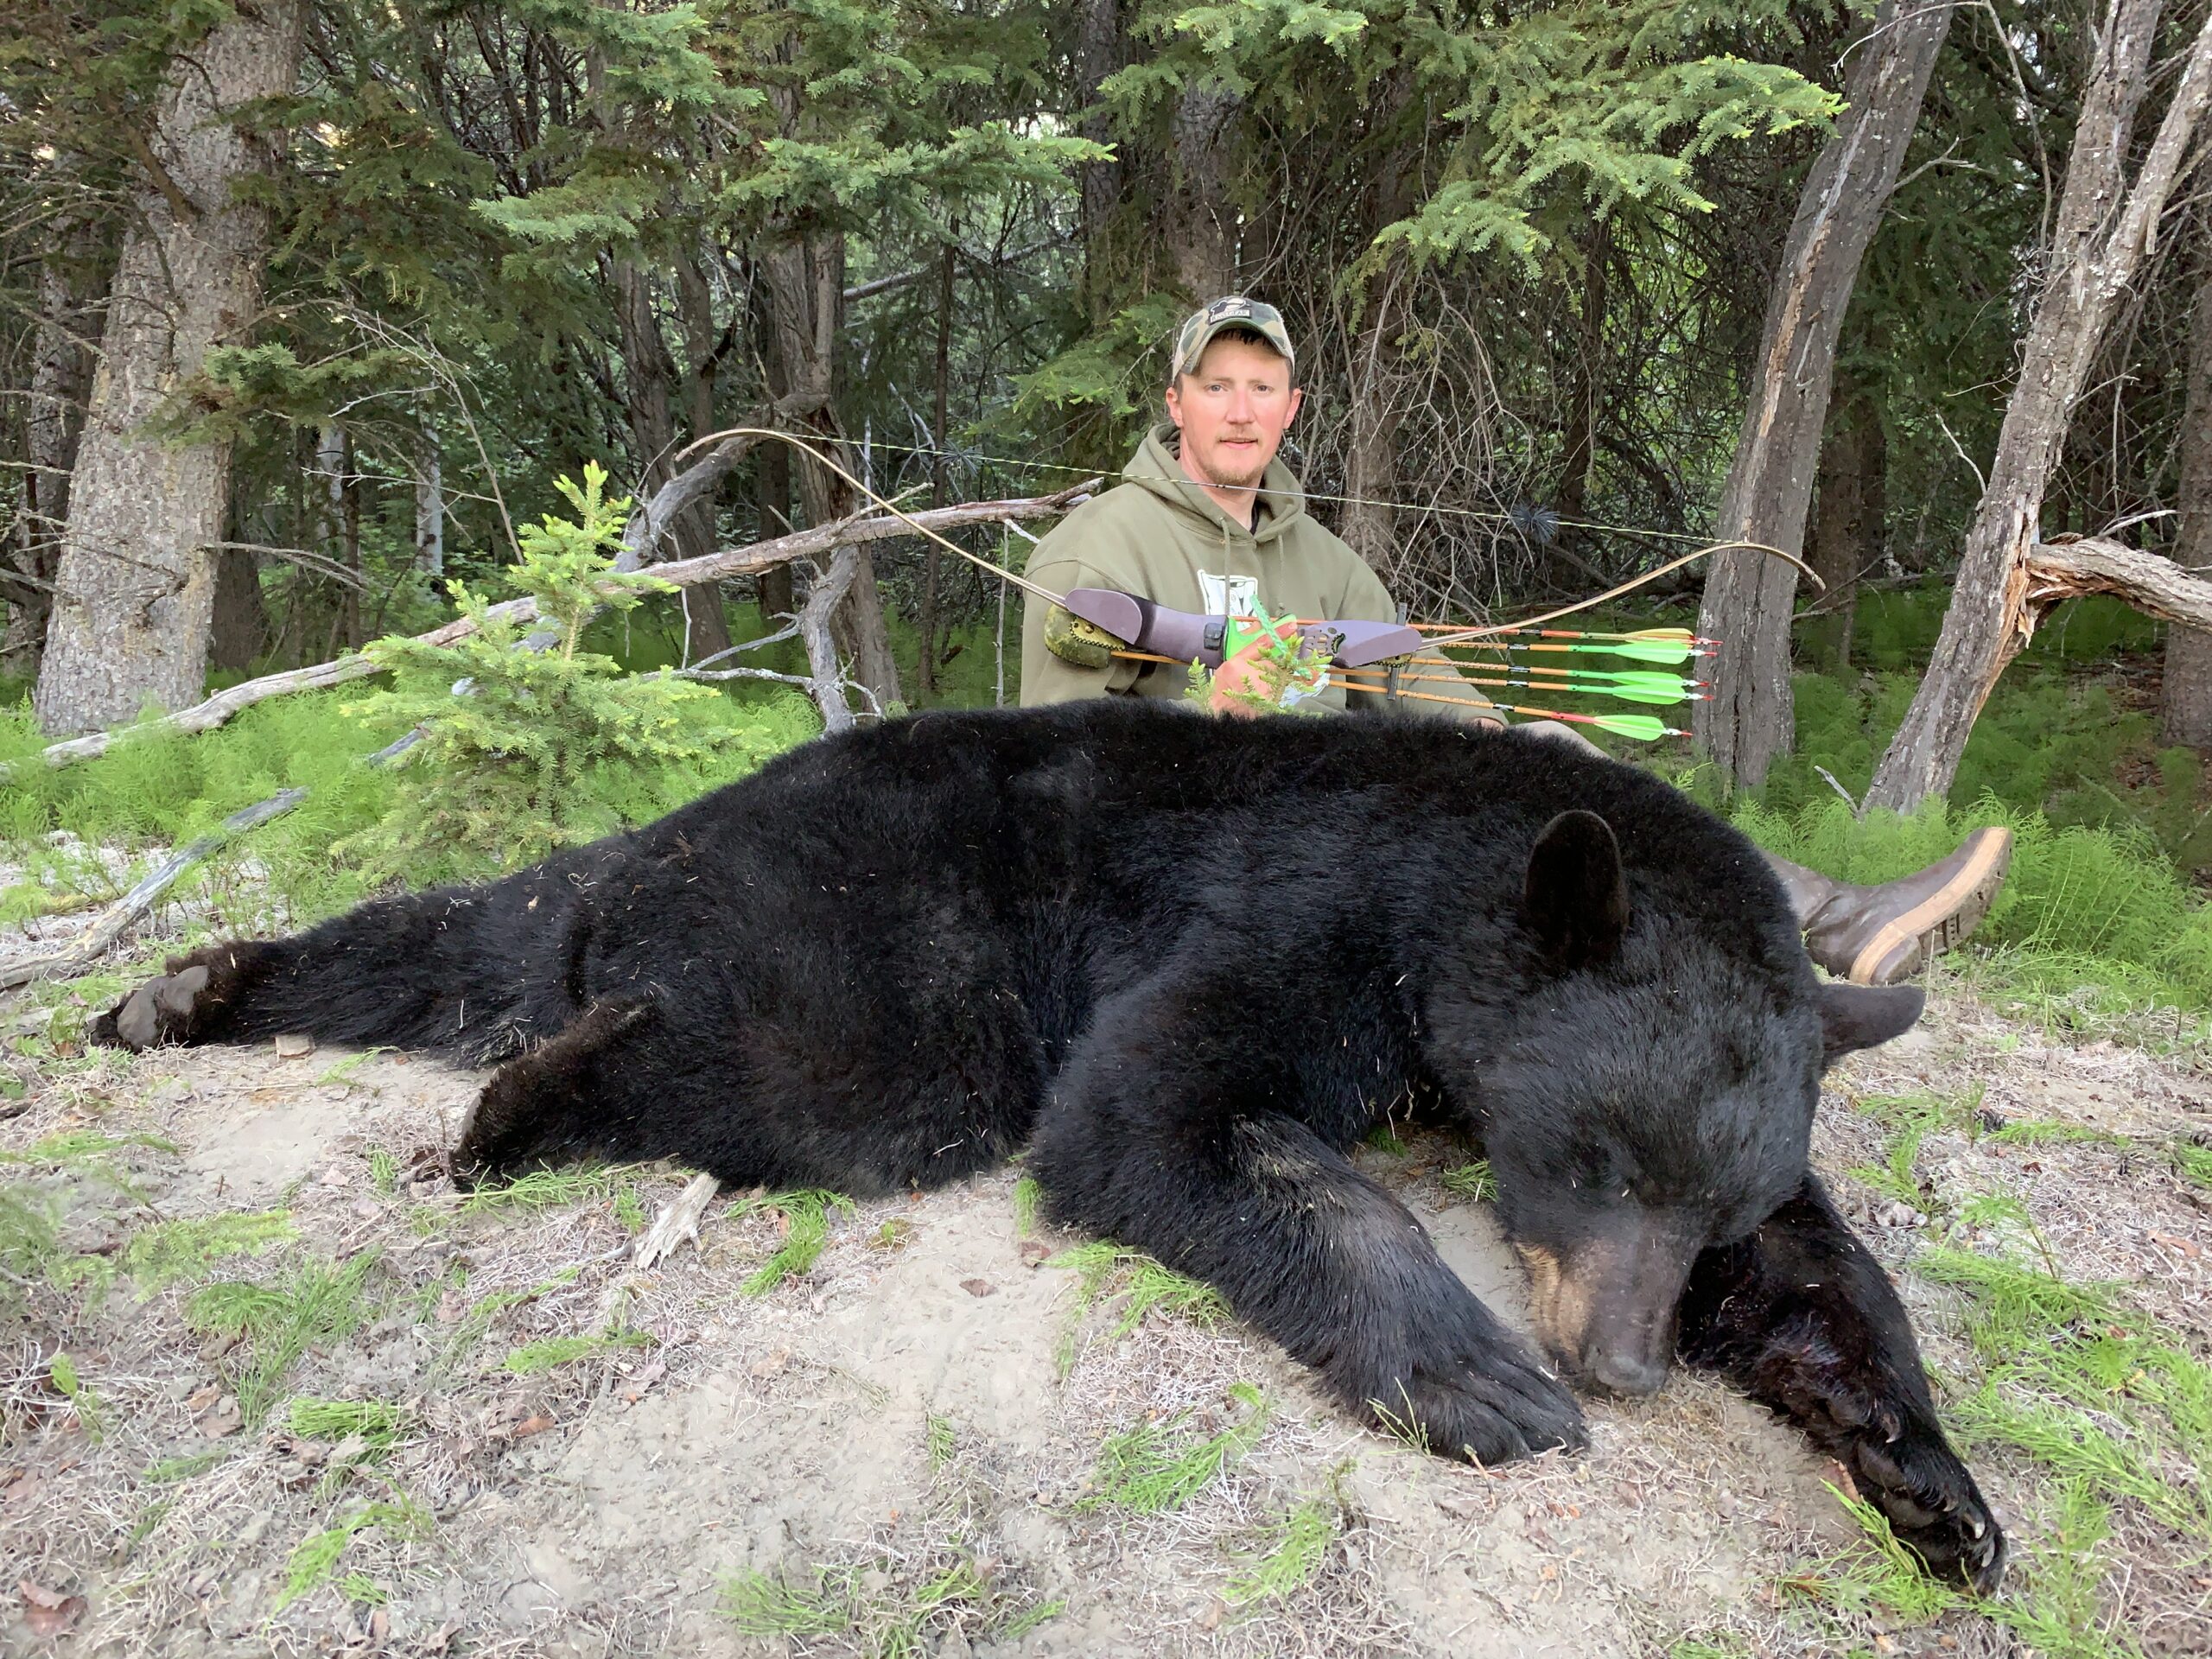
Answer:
(712, 567)
(2058, 571)
(94, 943)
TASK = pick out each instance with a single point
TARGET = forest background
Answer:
(345, 290)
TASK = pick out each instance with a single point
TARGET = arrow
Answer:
(1630, 686)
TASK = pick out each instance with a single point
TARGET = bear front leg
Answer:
(1802, 1319)
(196, 1000)
(1156, 1137)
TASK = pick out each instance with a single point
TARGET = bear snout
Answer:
(1604, 1310)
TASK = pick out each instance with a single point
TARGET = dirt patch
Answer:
(898, 1448)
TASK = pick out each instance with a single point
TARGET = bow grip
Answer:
(1187, 637)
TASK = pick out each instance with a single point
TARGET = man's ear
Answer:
(1574, 894)
(1854, 1017)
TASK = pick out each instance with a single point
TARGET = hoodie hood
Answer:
(1157, 468)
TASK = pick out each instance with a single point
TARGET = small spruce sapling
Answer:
(541, 746)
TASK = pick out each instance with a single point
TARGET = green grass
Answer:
(542, 1190)
(1472, 1183)
(81, 1146)
(902, 1620)
(190, 1247)
(91, 1417)
(534, 1358)
(376, 1422)
(2193, 1161)
(314, 1561)
(317, 1302)
(475, 1325)
(806, 1216)
(1149, 1467)
(1138, 1285)
(1027, 1195)
(938, 1441)
(1298, 1547)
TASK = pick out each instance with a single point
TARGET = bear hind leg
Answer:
(552, 1104)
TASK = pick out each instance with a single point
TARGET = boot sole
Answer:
(1939, 921)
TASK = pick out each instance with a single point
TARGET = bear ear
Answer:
(1854, 1017)
(1574, 894)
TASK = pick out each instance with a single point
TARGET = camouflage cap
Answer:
(1217, 317)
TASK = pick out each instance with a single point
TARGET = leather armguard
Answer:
(1072, 639)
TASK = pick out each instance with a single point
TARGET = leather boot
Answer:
(1878, 935)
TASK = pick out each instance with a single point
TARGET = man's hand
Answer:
(1247, 682)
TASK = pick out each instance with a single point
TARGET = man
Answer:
(1208, 520)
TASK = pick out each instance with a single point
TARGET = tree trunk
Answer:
(68, 284)
(650, 377)
(1101, 49)
(1749, 597)
(925, 664)
(805, 286)
(2104, 228)
(706, 625)
(1586, 389)
(1201, 224)
(2187, 700)
(429, 511)
(1850, 503)
(240, 628)
(135, 589)
(342, 528)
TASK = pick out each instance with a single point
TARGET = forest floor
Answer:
(271, 1384)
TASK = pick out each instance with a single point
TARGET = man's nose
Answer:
(1239, 411)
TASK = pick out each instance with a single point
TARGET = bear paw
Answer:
(1932, 1505)
(158, 1012)
(1497, 1408)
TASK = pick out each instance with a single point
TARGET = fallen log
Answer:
(2058, 571)
(749, 560)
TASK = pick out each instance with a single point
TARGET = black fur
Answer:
(1191, 962)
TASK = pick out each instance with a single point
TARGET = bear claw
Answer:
(1934, 1508)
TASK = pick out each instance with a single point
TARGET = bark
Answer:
(651, 377)
(240, 628)
(1368, 523)
(1849, 505)
(135, 587)
(772, 479)
(1585, 387)
(706, 625)
(430, 511)
(2187, 699)
(2104, 229)
(1102, 48)
(1201, 230)
(341, 498)
(1749, 598)
(804, 279)
(68, 283)
(925, 661)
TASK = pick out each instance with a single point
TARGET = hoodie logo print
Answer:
(1228, 596)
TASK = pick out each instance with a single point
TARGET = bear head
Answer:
(1653, 1096)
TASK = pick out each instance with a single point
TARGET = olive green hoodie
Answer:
(1159, 536)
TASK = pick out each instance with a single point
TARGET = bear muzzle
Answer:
(1604, 1308)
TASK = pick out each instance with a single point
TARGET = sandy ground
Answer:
(895, 1433)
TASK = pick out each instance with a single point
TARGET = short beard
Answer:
(1219, 482)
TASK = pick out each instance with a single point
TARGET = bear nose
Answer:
(1627, 1373)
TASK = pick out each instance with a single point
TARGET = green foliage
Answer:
(314, 1561)
(376, 1422)
(1470, 1183)
(1139, 1285)
(938, 1441)
(73, 1388)
(548, 747)
(535, 1357)
(317, 1302)
(805, 1216)
(1027, 1196)
(1293, 1559)
(1148, 1467)
(187, 1247)
(540, 1190)
(900, 1621)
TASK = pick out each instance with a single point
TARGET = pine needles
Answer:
(804, 1214)
(1140, 1285)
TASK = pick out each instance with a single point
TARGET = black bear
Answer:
(1190, 962)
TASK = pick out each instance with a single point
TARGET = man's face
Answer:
(1233, 413)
